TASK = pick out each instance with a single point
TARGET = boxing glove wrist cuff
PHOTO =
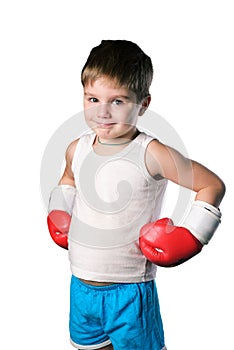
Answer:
(202, 221)
(62, 198)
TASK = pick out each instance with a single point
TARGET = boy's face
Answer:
(111, 111)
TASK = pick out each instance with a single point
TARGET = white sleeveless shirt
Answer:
(115, 197)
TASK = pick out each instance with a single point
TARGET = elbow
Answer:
(213, 193)
(223, 189)
(220, 191)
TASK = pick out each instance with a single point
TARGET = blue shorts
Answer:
(124, 315)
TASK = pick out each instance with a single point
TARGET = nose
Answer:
(103, 111)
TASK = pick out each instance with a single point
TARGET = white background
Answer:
(44, 45)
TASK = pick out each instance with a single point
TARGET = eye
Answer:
(93, 99)
(117, 102)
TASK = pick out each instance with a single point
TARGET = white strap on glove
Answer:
(202, 221)
(62, 198)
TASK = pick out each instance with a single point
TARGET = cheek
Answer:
(127, 115)
(89, 114)
(131, 117)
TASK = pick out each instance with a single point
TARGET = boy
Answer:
(109, 199)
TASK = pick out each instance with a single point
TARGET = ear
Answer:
(144, 105)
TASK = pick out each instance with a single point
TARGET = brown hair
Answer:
(124, 62)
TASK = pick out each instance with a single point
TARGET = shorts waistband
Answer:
(105, 288)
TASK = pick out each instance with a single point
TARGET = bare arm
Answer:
(68, 176)
(61, 202)
(168, 163)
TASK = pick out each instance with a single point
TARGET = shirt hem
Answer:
(109, 278)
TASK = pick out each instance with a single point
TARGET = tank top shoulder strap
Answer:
(143, 141)
(84, 146)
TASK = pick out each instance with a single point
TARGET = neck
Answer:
(115, 141)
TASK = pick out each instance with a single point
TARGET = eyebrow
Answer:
(125, 97)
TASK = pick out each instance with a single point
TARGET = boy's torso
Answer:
(78, 252)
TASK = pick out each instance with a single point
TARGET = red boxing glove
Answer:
(167, 245)
(58, 223)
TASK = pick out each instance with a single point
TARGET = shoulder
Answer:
(155, 148)
(71, 150)
(163, 159)
(160, 150)
(155, 152)
(73, 145)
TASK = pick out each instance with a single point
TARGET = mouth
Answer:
(105, 125)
